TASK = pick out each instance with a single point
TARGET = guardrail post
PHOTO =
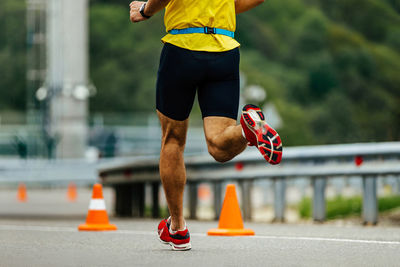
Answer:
(279, 199)
(217, 199)
(319, 184)
(370, 203)
(123, 200)
(192, 200)
(397, 185)
(155, 186)
(245, 187)
(138, 195)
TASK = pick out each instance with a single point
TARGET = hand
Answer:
(135, 15)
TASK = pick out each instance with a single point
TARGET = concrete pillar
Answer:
(217, 199)
(67, 77)
(245, 187)
(123, 200)
(370, 203)
(279, 199)
(155, 186)
(319, 185)
(192, 200)
(138, 202)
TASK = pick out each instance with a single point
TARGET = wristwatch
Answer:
(141, 10)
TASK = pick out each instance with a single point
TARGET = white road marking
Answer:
(345, 240)
(134, 232)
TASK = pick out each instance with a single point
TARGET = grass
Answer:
(341, 207)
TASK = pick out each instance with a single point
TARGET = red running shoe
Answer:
(260, 134)
(178, 240)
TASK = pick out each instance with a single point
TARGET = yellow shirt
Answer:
(180, 14)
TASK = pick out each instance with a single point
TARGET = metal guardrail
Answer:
(291, 155)
(49, 172)
(128, 176)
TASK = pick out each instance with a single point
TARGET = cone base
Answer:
(230, 232)
(97, 227)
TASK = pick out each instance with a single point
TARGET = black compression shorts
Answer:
(214, 75)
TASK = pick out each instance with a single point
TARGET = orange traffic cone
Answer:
(71, 192)
(230, 220)
(21, 195)
(97, 218)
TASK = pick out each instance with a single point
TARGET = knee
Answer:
(216, 152)
(173, 139)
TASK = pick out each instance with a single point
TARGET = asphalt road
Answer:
(43, 237)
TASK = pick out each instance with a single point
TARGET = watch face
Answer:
(141, 11)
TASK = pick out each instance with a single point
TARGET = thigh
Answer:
(219, 94)
(215, 126)
(177, 81)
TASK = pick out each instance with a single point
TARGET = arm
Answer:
(245, 5)
(152, 7)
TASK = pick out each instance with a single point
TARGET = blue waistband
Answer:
(206, 30)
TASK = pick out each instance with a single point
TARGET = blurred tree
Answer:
(12, 55)
(124, 59)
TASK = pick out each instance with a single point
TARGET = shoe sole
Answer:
(176, 247)
(268, 140)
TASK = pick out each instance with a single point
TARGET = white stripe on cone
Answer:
(97, 204)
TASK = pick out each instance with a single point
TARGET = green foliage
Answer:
(388, 203)
(338, 71)
(12, 55)
(341, 207)
(358, 14)
(305, 208)
(123, 59)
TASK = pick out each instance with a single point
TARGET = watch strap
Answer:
(141, 11)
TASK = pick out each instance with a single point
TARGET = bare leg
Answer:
(224, 138)
(172, 167)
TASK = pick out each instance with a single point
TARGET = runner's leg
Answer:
(219, 101)
(178, 76)
(172, 167)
